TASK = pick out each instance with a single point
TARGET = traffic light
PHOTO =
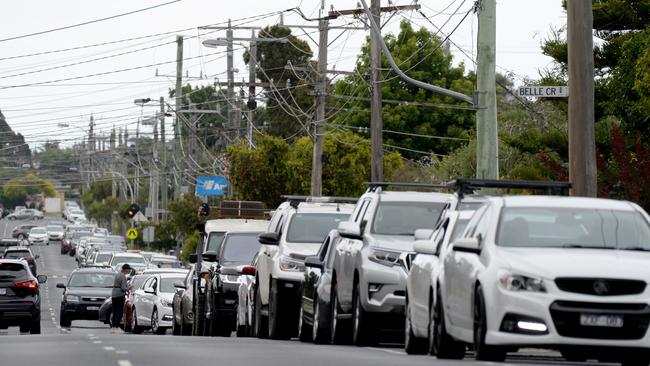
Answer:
(133, 210)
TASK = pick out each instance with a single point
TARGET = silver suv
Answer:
(297, 229)
(373, 254)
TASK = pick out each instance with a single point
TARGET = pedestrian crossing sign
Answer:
(132, 234)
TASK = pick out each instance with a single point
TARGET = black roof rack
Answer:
(372, 186)
(294, 200)
(468, 186)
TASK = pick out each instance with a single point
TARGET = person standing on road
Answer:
(120, 287)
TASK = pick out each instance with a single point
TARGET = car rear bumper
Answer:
(14, 313)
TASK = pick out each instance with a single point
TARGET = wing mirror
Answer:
(424, 247)
(179, 284)
(60, 285)
(193, 258)
(423, 234)
(149, 290)
(350, 230)
(41, 278)
(270, 238)
(467, 245)
(313, 261)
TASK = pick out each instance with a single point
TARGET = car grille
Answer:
(600, 286)
(566, 317)
(93, 299)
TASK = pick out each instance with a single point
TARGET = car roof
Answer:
(17, 248)
(94, 270)
(410, 196)
(181, 273)
(127, 254)
(153, 271)
(563, 201)
(235, 225)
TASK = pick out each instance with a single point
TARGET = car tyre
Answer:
(413, 345)
(339, 332)
(260, 326)
(21, 236)
(64, 320)
(443, 345)
(35, 326)
(304, 330)
(483, 352)
(198, 324)
(176, 328)
(155, 323)
(276, 318)
(361, 324)
(319, 334)
(135, 328)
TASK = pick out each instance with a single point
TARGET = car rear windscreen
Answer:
(12, 270)
(239, 248)
(16, 254)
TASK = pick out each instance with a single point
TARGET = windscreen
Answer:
(403, 218)
(573, 228)
(12, 270)
(166, 263)
(38, 230)
(81, 234)
(128, 259)
(239, 248)
(16, 254)
(137, 281)
(91, 280)
(214, 241)
(103, 258)
(167, 284)
(54, 228)
(313, 227)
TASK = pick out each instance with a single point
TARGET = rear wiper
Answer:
(581, 246)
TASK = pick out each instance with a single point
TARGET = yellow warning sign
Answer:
(132, 234)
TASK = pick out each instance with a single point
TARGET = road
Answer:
(91, 343)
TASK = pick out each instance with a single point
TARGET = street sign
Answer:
(132, 234)
(561, 91)
(148, 234)
(211, 186)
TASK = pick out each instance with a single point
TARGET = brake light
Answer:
(30, 285)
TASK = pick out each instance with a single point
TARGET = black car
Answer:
(22, 231)
(316, 309)
(20, 301)
(84, 294)
(237, 249)
(22, 253)
(182, 305)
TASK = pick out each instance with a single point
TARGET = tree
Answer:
(13, 149)
(421, 55)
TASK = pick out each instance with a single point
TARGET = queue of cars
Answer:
(448, 270)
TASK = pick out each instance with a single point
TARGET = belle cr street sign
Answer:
(132, 234)
(544, 91)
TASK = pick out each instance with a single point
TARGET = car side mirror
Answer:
(210, 256)
(423, 234)
(41, 278)
(313, 261)
(467, 245)
(193, 258)
(248, 270)
(149, 290)
(269, 238)
(424, 247)
(350, 230)
(60, 285)
(179, 285)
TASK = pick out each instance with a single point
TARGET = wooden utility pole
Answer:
(252, 103)
(321, 93)
(163, 160)
(582, 145)
(487, 149)
(230, 72)
(178, 130)
(376, 117)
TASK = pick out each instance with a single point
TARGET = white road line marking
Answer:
(401, 353)
(124, 363)
(109, 348)
(97, 342)
(91, 335)
(121, 352)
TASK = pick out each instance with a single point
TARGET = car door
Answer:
(138, 299)
(351, 250)
(265, 261)
(150, 298)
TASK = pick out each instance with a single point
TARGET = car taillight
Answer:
(30, 286)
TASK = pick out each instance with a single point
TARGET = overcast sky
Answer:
(37, 110)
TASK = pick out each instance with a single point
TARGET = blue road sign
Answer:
(211, 186)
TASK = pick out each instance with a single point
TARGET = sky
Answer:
(52, 96)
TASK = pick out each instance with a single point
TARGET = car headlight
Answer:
(515, 282)
(72, 298)
(384, 257)
(291, 265)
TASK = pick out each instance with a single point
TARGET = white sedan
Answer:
(152, 303)
(554, 272)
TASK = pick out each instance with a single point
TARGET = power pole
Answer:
(321, 93)
(231, 78)
(155, 174)
(163, 160)
(252, 104)
(376, 118)
(582, 146)
(487, 149)
(178, 131)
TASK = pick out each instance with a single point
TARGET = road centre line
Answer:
(124, 363)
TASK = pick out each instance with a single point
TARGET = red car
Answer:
(134, 283)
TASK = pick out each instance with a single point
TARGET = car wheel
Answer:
(444, 346)
(176, 328)
(483, 351)
(304, 331)
(319, 333)
(186, 329)
(361, 329)
(25, 327)
(260, 324)
(199, 315)
(275, 315)
(135, 328)
(64, 320)
(339, 332)
(155, 324)
(35, 327)
(21, 236)
(412, 345)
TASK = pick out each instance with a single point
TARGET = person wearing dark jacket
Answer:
(120, 287)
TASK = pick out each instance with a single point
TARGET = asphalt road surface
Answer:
(91, 343)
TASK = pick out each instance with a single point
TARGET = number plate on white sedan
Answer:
(611, 321)
(93, 308)
(3, 291)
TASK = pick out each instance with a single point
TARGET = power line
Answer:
(86, 23)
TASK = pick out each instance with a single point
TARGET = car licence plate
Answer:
(610, 321)
(3, 291)
(93, 308)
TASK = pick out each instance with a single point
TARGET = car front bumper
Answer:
(561, 312)
(382, 288)
(82, 310)
(165, 316)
